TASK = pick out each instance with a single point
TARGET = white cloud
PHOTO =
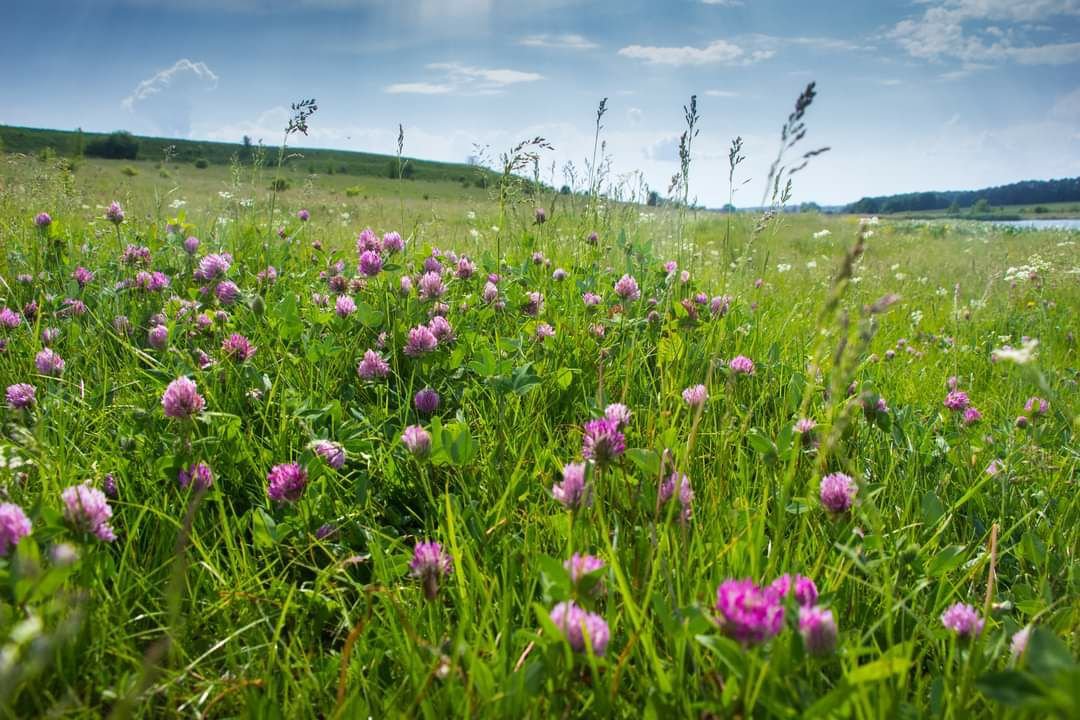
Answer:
(166, 98)
(722, 93)
(724, 3)
(716, 52)
(181, 70)
(635, 115)
(458, 79)
(562, 42)
(986, 31)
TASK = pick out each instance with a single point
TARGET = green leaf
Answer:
(1010, 687)
(368, 316)
(946, 559)
(646, 460)
(263, 528)
(564, 377)
(877, 670)
(1046, 653)
(932, 508)
(761, 443)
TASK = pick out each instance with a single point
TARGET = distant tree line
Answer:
(1027, 192)
(122, 145)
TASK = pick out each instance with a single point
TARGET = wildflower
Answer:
(181, 399)
(491, 292)
(572, 493)
(741, 365)
(135, 255)
(1036, 406)
(421, 340)
(541, 216)
(684, 277)
(963, 620)
(370, 263)
(191, 245)
(333, 453)
(87, 510)
(1019, 642)
(431, 286)
(158, 337)
(237, 348)
(392, 242)
(1021, 421)
(73, 306)
(324, 531)
(543, 330)
(465, 268)
(627, 288)
(43, 220)
(197, 474)
(372, 366)
(21, 396)
(747, 613)
(591, 299)
(578, 566)
(108, 486)
(432, 264)
(534, 304)
(286, 482)
(430, 564)
(678, 481)
(805, 591)
(818, 629)
(972, 416)
(268, 276)
(578, 624)
(114, 213)
(227, 292)
(49, 362)
(1021, 356)
(442, 330)
(213, 267)
(426, 401)
(344, 306)
(670, 266)
(417, 440)
(9, 318)
(63, 554)
(366, 240)
(593, 238)
(618, 413)
(603, 441)
(719, 305)
(14, 526)
(121, 325)
(82, 276)
(957, 401)
(695, 396)
(837, 492)
(303, 215)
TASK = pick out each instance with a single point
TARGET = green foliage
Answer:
(120, 145)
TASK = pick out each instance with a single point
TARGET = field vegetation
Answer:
(431, 450)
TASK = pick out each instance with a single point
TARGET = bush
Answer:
(279, 185)
(202, 163)
(129, 171)
(353, 191)
(120, 145)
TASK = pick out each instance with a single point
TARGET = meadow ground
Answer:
(222, 481)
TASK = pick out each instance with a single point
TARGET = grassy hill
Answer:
(343, 162)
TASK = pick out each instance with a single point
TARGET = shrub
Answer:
(279, 185)
(129, 171)
(353, 191)
(120, 145)
(202, 163)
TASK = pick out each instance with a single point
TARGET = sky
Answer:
(912, 94)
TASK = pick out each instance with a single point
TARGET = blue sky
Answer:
(930, 94)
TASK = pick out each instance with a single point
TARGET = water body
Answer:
(1059, 224)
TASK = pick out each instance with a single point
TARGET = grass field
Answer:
(263, 554)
